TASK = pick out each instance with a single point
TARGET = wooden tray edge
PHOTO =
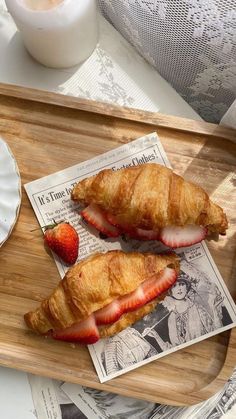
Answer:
(157, 119)
(152, 118)
(194, 397)
(224, 375)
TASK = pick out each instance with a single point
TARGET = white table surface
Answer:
(114, 73)
(15, 395)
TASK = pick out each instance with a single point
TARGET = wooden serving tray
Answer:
(49, 132)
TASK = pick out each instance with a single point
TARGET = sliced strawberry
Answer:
(134, 233)
(154, 287)
(108, 314)
(174, 236)
(132, 301)
(141, 234)
(97, 218)
(112, 219)
(122, 226)
(85, 332)
(130, 232)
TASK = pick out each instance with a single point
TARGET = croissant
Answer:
(103, 295)
(149, 202)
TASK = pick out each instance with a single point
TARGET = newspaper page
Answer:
(51, 402)
(59, 400)
(198, 306)
(96, 404)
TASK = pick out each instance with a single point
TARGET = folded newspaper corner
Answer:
(204, 306)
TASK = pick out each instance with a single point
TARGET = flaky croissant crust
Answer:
(150, 196)
(94, 283)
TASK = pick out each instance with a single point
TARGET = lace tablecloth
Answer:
(114, 73)
(191, 43)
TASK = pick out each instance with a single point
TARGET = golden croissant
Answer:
(103, 295)
(149, 202)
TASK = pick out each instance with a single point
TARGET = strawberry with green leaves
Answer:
(63, 239)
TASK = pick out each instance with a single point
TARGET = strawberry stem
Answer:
(49, 226)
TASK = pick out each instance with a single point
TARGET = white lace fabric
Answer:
(191, 43)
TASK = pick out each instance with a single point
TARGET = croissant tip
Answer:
(72, 195)
(27, 319)
(224, 227)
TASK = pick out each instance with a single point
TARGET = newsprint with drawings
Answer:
(59, 400)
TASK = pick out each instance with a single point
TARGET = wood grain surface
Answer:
(47, 137)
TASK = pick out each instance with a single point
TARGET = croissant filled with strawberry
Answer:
(149, 202)
(103, 295)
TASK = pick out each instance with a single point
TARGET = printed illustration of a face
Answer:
(179, 290)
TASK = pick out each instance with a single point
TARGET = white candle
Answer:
(57, 33)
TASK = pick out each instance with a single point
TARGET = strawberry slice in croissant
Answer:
(103, 295)
(149, 202)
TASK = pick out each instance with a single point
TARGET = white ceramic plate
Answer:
(10, 191)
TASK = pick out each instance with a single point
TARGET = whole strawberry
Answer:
(63, 239)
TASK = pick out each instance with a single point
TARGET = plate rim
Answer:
(17, 172)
